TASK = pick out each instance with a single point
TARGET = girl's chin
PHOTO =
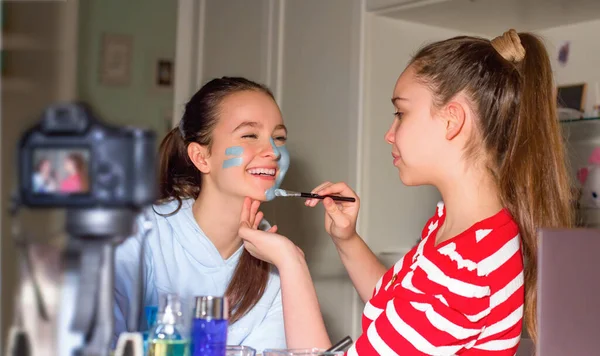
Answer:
(257, 195)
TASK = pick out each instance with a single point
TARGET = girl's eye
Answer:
(281, 138)
(398, 114)
(250, 136)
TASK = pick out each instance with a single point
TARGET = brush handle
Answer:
(334, 197)
(341, 345)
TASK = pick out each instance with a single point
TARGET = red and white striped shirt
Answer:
(462, 297)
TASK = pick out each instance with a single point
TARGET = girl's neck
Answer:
(469, 196)
(218, 215)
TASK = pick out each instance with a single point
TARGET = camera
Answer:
(71, 159)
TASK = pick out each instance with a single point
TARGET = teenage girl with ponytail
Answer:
(477, 119)
(229, 144)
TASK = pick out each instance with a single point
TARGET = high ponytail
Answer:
(509, 83)
(533, 176)
(179, 179)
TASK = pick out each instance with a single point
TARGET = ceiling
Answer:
(489, 17)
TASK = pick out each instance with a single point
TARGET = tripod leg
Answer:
(102, 330)
(18, 343)
(68, 339)
(130, 344)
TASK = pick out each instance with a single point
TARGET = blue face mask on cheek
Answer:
(235, 152)
(283, 163)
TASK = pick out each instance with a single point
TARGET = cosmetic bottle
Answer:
(167, 337)
(209, 326)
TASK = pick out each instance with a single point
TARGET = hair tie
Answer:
(509, 46)
(180, 129)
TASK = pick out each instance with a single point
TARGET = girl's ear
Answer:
(455, 116)
(198, 155)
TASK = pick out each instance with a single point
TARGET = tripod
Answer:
(85, 319)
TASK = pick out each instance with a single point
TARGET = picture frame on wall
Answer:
(572, 96)
(115, 62)
(164, 73)
(571, 101)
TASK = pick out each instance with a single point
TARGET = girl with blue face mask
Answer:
(229, 144)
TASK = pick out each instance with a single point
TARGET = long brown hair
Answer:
(510, 85)
(180, 179)
(80, 165)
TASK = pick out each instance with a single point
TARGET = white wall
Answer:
(582, 67)
(389, 5)
(307, 51)
(236, 40)
(393, 214)
(583, 58)
(317, 93)
(225, 38)
(320, 105)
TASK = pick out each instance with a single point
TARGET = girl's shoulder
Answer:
(434, 222)
(169, 208)
(501, 223)
(491, 234)
(151, 221)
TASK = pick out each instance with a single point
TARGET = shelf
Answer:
(577, 121)
(586, 129)
(589, 217)
(16, 85)
(20, 42)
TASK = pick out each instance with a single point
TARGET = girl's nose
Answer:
(272, 151)
(389, 136)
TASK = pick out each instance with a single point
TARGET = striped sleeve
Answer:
(387, 277)
(504, 271)
(455, 301)
(371, 312)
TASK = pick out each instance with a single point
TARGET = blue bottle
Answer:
(150, 311)
(209, 326)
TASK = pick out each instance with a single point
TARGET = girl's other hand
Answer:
(340, 217)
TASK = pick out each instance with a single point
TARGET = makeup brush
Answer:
(341, 345)
(289, 193)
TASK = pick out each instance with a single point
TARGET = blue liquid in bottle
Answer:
(151, 311)
(209, 326)
(209, 337)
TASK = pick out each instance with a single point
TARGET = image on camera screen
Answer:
(60, 171)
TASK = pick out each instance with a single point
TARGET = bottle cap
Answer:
(170, 308)
(210, 307)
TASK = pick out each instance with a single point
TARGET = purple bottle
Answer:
(209, 326)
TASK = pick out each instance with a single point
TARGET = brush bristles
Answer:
(281, 193)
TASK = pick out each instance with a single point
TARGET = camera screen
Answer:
(60, 171)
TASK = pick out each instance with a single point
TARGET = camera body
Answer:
(70, 159)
